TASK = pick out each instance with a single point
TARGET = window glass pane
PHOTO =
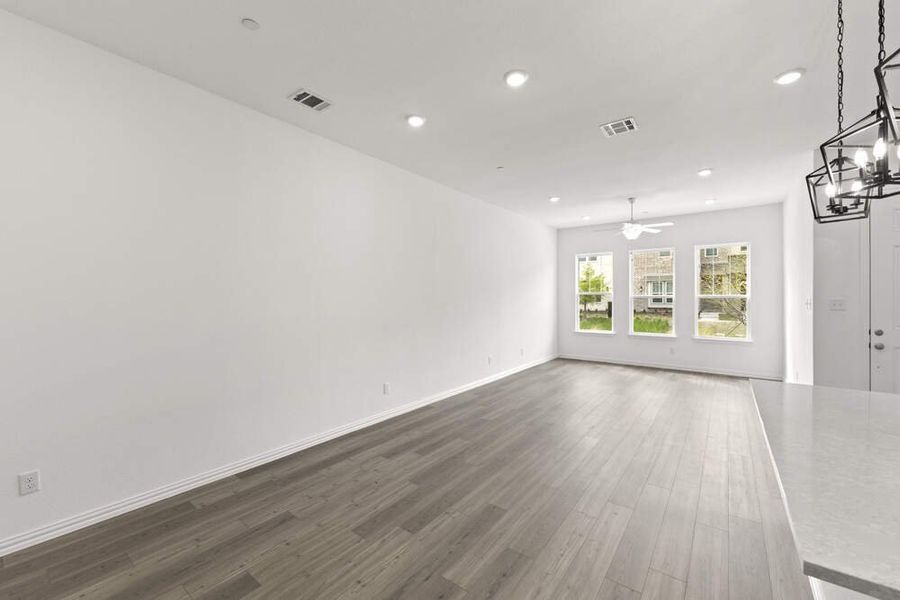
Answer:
(595, 273)
(651, 273)
(722, 317)
(595, 312)
(649, 317)
(723, 271)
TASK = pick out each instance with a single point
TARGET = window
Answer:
(661, 293)
(723, 292)
(653, 292)
(595, 292)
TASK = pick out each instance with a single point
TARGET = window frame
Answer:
(579, 293)
(746, 297)
(631, 295)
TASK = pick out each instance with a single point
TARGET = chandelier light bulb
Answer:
(856, 187)
(861, 158)
(830, 190)
(880, 149)
(898, 151)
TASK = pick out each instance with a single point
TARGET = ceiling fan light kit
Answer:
(632, 230)
(842, 188)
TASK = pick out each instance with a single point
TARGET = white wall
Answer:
(187, 283)
(798, 283)
(763, 357)
(842, 304)
(841, 299)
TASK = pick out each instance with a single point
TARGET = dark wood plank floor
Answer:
(571, 480)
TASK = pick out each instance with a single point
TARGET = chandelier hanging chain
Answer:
(881, 52)
(840, 75)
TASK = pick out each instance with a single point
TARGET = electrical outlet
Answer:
(29, 483)
(386, 389)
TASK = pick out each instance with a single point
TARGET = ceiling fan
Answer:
(632, 230)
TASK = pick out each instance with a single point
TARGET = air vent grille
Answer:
(614, 128)
(310, 100)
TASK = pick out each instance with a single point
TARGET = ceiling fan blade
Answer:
(612, 227)
(651, 230)
(666, 224)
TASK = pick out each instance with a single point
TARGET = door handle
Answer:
(878, 332)
(879, 346)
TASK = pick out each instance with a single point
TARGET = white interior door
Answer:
(885, 295)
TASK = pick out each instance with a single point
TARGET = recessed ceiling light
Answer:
(554, 199)
(516, 78)
(415, 121)
(709, 202)
(704, 172)
(250, 23)
(789, 77)
(586, 218)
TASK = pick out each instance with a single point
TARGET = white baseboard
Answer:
(691, 369)
(70, 524)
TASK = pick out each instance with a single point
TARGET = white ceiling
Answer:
(696, 74)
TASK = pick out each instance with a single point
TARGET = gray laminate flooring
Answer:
(570, 480)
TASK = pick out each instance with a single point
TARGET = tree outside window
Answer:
(723, 292)
(595, 292)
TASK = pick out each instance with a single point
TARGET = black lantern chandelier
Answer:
(841, 189)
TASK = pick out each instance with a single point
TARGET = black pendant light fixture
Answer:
(841, 189)
(822, 183)
(887, 66)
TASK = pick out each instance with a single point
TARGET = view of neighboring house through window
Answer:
(723, 291)
(595, 292)
(653, 292)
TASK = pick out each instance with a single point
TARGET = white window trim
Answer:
(632, 296)
(698, 296)
(578, 295)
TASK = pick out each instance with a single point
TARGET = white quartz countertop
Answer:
(837, 453)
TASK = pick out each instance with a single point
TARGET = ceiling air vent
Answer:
(614, 128)
(310, 100)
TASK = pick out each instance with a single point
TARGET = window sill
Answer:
(595, 331)
(667, 336)
(702, 338)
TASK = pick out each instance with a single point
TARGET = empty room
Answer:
(449, 300)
